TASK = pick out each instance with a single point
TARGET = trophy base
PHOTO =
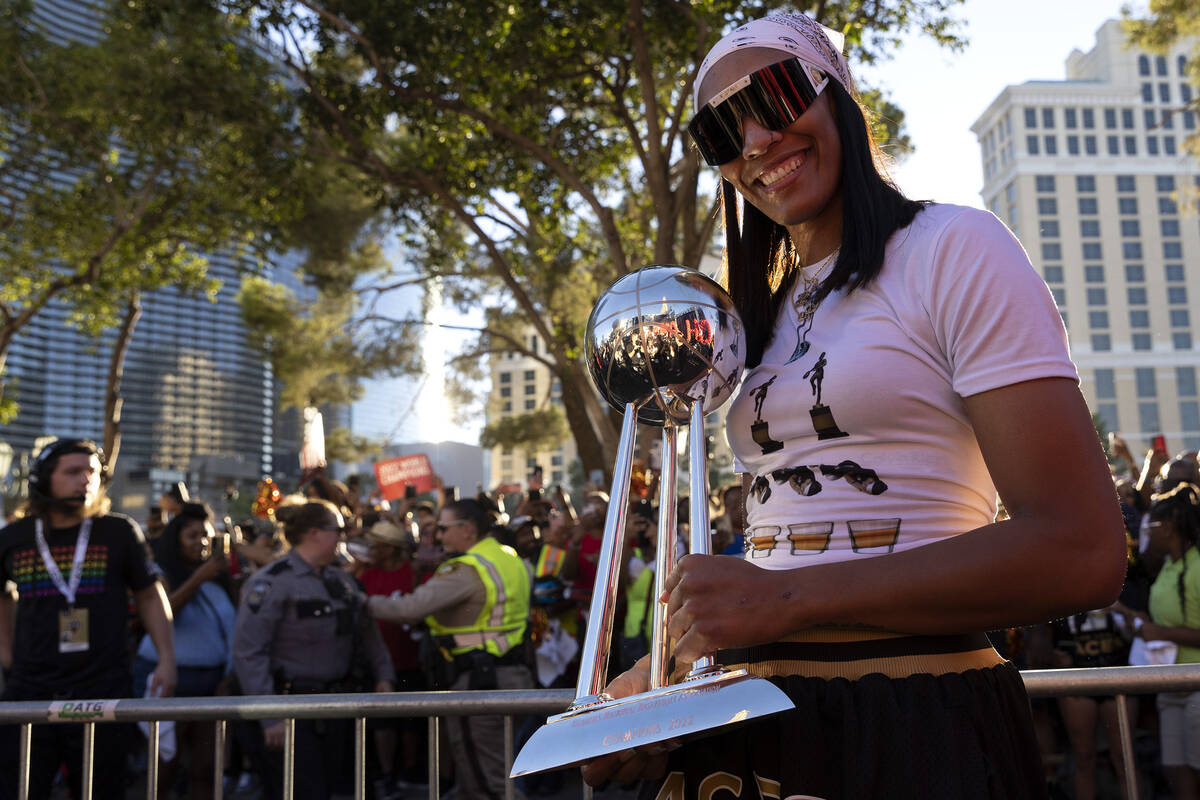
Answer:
(596, 726)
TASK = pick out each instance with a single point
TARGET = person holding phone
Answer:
(904, 364)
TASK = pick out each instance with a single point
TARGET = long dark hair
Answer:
(1180, 507)
(167, 549)
(759, 253)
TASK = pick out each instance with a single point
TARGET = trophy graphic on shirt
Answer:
(822, 417)
(759, 430)
(665, 345)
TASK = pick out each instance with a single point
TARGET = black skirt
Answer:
(956, 735)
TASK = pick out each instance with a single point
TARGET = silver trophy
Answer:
(665, 345)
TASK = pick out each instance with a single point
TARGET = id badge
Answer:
(73, 630)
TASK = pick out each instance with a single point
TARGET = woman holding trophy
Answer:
(905, 363)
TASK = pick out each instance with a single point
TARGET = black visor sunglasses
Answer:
(774, 97)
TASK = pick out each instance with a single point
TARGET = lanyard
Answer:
(81, 543)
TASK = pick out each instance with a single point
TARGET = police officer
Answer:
(301, 630)
(476, 606)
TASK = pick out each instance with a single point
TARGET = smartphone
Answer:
(1159, 443)
(410, 491)
(535, 494)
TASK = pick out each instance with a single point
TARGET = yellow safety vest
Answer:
(500, 625)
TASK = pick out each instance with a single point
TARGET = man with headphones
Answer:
(74, 566)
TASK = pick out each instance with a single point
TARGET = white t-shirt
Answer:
(887, 460)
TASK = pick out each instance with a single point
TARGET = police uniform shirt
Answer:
(454, 596)
(287, 625)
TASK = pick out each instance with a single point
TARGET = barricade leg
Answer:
(89, 742)
(1127, 755)
(23, 764)
(360, 758)
(435, 777)
(289, 757)
(508, 757)
(218, 759)
(152, 761)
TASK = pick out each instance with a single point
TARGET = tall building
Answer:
(199, 404)
(1092, 176)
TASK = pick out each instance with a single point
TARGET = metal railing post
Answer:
(435, 777)
(360, 758)
(89, 746)
(23, 767)
(219, 759)
(508, 756)
(1126, 730)
(152, 761)
(289, 757)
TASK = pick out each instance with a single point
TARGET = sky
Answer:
(942, 94)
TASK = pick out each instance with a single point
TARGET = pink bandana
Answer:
(792, 33)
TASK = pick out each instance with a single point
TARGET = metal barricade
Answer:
(1119, 682)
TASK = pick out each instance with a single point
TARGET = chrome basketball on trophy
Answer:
(665, 345)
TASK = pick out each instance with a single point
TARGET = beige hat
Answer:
(390, 533)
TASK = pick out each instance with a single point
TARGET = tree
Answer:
(534, 152)
(123, 162)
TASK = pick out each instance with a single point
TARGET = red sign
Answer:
(394, 473)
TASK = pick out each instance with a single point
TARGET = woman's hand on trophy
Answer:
(717, 602)
(639, 763)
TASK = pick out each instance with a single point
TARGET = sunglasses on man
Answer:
(774, 97)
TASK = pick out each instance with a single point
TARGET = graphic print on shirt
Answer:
(32, 579)
(758, 428)
(822, 417)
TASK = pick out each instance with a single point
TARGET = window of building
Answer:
(1127, 205)
(1106, 385)
(1047, 206)
(1101, 343)
(1097, 319)
(506, 377)
(1189, 120)
(1185, 93)
(1113, 144)
(1108, 413)
(1049, 228)
(1097, 297)
(1170, 227)
(1089, 119)
(1031, 145)
(1143, 63)
(1089, 228)
(507, 407)
(1087, 205)
(1072, 145)
(1130, 227)
(1137, 295)
(1174, 272)
(530, 388)
(1131, 145)
(1180, 318)
(1172, 249)
(1085, 184)
(1169, 145)
(533, 343)
(1048, 117)
(1051, 251)
(1139, 318)
(1091, 251)
(1127, 118)
(1051, 144)
(1053, 274)
(1147, 93)
(1181, 340)
(1059, 295)
(1150, 118)
(1177, 295)
(1181, 66)
(1043, 183)
(1144, 380)
(1131, 250)
(1189, 415)
(1148, 417)
(1110, 119)
(1089, 145)
(1141, 341)
(530, 405)
(1068, 118)
(1160, 65)
(1168, 120)
(1152, 145)
(1125, 183)
(1093, 273)
(1164, 93)
(1167, 206)
(1185, 381)
(530, 375)
(506, 391)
